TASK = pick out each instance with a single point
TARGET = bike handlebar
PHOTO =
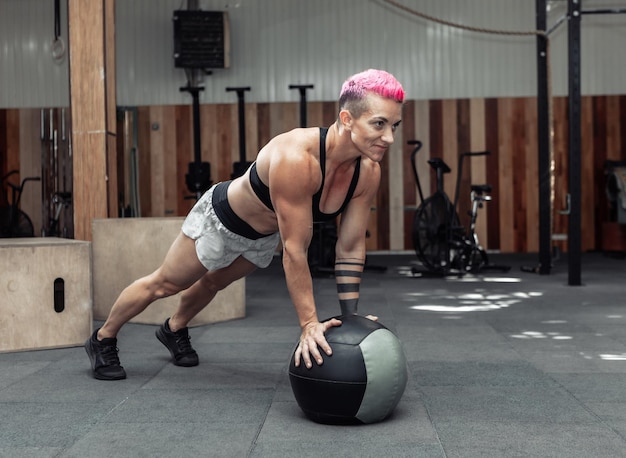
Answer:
(418, 146)
(477, 153)
(19, 187)
(14, 186)
(12, 172)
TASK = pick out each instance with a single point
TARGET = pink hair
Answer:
(377, 81)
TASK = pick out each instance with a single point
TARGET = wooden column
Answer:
(91, 48)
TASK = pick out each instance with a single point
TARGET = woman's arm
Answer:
(294, 180)
(350, 249)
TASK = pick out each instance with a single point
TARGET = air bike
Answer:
(442, 244)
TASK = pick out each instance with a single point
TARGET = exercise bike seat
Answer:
(481, 188)
(438, 163)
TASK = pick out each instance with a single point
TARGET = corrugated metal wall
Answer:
(275, 43)
(280, 42)
(29, 75)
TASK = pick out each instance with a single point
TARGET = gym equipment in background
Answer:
(442, 244)
(13, 221)
(240, 167)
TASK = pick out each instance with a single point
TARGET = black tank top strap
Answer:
(318, 195)
(353, 183)
(318, 216)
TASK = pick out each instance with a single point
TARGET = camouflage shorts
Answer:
(217, 246)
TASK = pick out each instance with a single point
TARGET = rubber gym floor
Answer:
(500, 365)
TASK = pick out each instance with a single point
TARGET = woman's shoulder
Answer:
(294, 145)
(298, 136)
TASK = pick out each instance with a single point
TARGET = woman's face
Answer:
(373, 132)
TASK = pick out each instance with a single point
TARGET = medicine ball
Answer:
(363, 380)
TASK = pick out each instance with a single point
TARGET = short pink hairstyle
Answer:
(379, 82)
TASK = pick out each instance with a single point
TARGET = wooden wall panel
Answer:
(435, 133)
(263, 124)
(171, 189)
(13, 149)
(613, 132)
(315, 114)
(599, 148)
(382, 206)
(516, 149)
(184, 154)
(450, 146)
(330, 112)
(409, 187)
(252, 137)
(465, 179)
(492, 144)
(284, 117)
(158, 150)
(209, 136)
(531, 229)
(423, 133)
(228, 145)
(395, 205)
(144, 160)
(478, 176)
(560, 173)
(506, 192)
(590, 194)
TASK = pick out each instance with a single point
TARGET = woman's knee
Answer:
(157, 286)
(212, 283)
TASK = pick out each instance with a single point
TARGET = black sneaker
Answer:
(105, 362)
(179, 345)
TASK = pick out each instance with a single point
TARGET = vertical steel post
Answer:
(239, 168)
(574, 169)
(302, 88)
(543, 138)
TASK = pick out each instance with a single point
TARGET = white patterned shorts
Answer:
(217, 246)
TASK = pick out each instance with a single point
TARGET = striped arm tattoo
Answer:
(348, 277)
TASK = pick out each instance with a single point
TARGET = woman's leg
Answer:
(202, 292)
(180, 269)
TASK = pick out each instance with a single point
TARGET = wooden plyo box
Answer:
(45, 293)
(125, 249)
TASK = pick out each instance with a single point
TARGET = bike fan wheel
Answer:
(432, 231)
(15, 224)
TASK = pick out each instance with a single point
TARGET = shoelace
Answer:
(110, 356)
(184, 342)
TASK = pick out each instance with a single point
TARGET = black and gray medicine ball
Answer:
(363, 380)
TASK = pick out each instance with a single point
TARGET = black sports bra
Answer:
(263, 191)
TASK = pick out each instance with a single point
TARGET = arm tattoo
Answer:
(348, 277)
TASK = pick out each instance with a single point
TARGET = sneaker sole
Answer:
(163, 340)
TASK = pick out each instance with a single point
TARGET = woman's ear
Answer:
(346, 119)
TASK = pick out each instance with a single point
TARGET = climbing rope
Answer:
(462, 26)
